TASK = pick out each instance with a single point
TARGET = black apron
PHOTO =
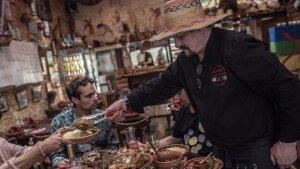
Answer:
(252, 156)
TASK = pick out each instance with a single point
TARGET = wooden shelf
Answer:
(260, 14)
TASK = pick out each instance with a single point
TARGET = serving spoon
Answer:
(152, 146)
(203, 161)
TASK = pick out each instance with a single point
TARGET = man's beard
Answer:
(93, 107)
(187, 52)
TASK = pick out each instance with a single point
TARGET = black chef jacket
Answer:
(246, 93)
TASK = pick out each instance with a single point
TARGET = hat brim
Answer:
(196, 24)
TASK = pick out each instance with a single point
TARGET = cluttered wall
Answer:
(25, 22)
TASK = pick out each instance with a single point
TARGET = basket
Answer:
(218, 164)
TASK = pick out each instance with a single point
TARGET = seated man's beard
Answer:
(93, 107)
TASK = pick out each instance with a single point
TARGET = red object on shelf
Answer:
(13, 131)
(29, 122)
(63, 104)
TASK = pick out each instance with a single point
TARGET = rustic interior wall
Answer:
(34, 110)
(106, 21)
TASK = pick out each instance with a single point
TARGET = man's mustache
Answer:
(183, 48)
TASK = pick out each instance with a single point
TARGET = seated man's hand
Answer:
(63, 163)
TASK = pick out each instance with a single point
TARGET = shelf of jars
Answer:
(73, 65)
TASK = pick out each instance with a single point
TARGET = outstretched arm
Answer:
(26, 159)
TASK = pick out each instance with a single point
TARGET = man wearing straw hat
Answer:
(82, 93)
(247, 101)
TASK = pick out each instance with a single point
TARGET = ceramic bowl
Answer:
(168, 159)
(131, 115)
(175, 147)
(190, 164)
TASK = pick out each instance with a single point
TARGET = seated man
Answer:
(188, 129)
(82, 93)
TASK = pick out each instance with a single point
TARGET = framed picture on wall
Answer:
(43, 10)
(2, 4)
(50, 59)
(3, 104)
(33, 8)
(22, 99)
(36, 93)
(15, 33)
(44, 65)
(46, 29)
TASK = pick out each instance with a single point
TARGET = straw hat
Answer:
(184, 15)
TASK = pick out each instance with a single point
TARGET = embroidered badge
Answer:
(219, 75)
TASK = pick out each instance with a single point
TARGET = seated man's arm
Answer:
(169, 140)
(111, 139)
(58, 159)
(106, 139)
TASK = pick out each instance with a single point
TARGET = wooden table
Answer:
(24, 139)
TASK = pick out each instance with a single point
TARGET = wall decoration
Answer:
(54, 48)
(7, 11)
(44, 65)
(46, 29)
(89, 2)
(1, 14)
(155, 14)
(22, 99)
(36, 93)
(50, 59)
(54, 77)
(3, 104)
(32, 27)
(15, 33)
(33, 8)
(43, 10)
(88, 25)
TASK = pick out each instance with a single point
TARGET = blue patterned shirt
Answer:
(104, 140)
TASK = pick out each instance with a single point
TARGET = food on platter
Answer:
(83, 124)
(142, 148)
(131, 160)
(80, 136)
(183, 149)
(76, 133)
(179, 149)
(91, 157)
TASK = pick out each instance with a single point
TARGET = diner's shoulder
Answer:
(2, 140)
(61, 120)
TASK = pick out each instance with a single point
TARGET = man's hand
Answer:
(114, 111)
(54, 142)
(283, 154)
(63, 163)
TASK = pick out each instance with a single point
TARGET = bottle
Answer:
(130, 138)
(74, 162)
(30, 142)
